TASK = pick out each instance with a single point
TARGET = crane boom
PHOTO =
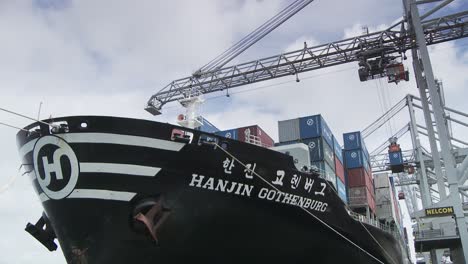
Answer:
(376, 44)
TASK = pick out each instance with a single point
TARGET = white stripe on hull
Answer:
(101, 195)
(26, 148)
(43, 197)
(129, 169)
(95, 194)
(108, 138)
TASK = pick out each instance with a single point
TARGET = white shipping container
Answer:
(299, 151)
(383, 211)
(288, 130)
(381, 180)
(382, 195)
(385, 203)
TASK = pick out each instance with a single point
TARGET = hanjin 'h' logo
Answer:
(56, 167)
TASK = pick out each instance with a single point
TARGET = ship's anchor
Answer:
(43, 232)
(153, 218)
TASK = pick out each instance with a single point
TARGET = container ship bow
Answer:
(118, 190)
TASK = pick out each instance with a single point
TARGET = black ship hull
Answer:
(117, 190)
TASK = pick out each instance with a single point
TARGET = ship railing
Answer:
(255, 140)
(433, 234)
(370, 221)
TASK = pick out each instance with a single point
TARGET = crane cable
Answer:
(254, 36)
(304, 209)
(27, 117)
(381, 103)
(13, 178)
(12, 126)
(385, 104)
(381, 121)
(389, 102)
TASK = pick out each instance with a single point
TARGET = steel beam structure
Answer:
(424, 186)
(424, 60)
(387, 42)
(422, 85)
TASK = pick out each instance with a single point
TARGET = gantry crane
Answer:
(378, 54)
(367, 49)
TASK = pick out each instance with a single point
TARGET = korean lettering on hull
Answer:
(287, 187)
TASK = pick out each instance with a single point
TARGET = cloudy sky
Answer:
(108, 57)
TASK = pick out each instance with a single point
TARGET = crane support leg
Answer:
(442, 130)
(423, 185)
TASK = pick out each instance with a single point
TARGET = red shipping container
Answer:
(265, 138)
(339, 169)
(255, 135)
(358, 177)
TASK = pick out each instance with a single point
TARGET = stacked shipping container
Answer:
(387, 208)
(339, 170)
(396, 161)
(250, 134)
(299, 152)
(397, 208)
(325, 152)
(358, 171)
(207, 126)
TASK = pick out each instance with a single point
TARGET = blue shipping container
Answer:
(353, 140)
(315, 126)
(341, 190)
(231, 133)
(356, 159)
(326, 172)
(319, 150)
(207, 126)
(395, 158)
(337, 149)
